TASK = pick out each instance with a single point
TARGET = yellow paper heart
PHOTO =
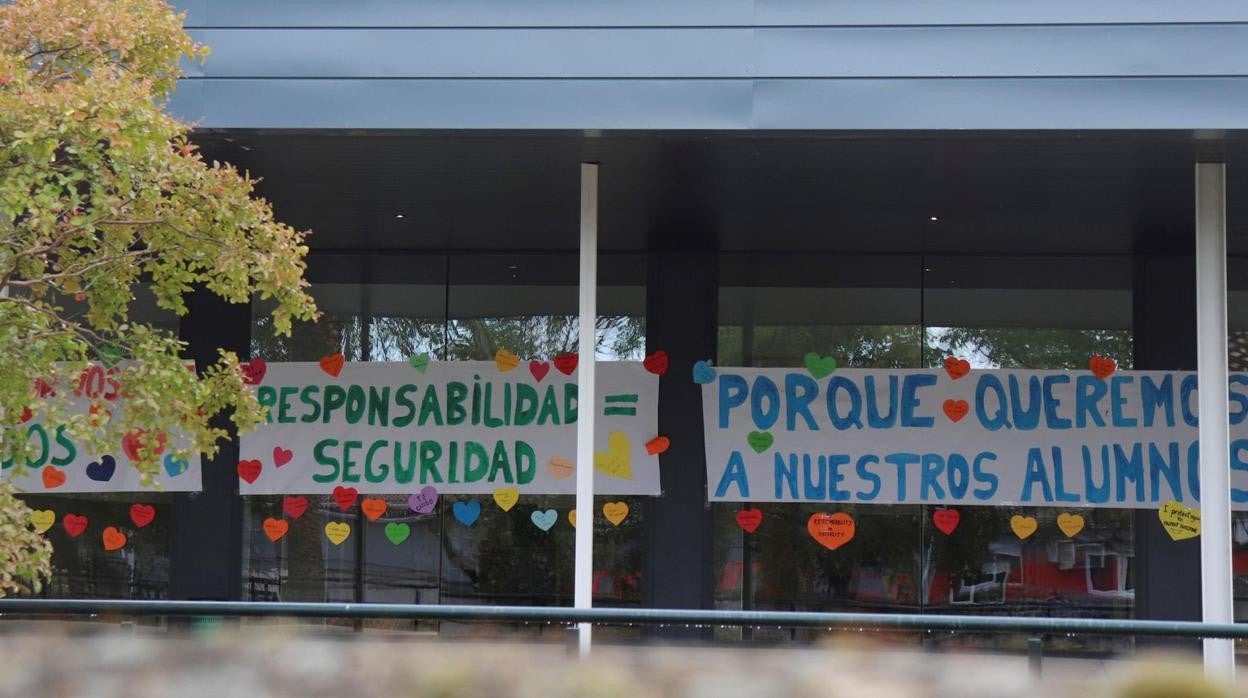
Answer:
(505, 360)
(42, 519)
(337, 531)
(1179, 521)
(1071, 524)
(615, 512)
(506, 497)
(617, 460)
(572, 518)
(1023, 525)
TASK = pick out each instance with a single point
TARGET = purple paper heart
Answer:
(424, 501)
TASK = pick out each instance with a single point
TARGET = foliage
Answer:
(100, 190)
(25, 555)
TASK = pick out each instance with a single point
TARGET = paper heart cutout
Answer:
(1070, 524)
(373, 507)
(249, 470)
(142, 514)
(946, 520)
(656, 363)
(1181, 522)
(544, 519)
(424, 501)
(110, 356)
(760, 440)
(466, 513)
(397, 532)
(1102, 367)
(1023, 526)
(505, 360)
(344, 497)
(281, 456)
(113, 539)
(253, 371)
(175, 466)
(819, 366)
(138, 439)
(42, 519)
(560, 468)
(420, 362)
(52, 477)
(25, 416)
(955, 410)
(957, 368)
(566, 363)
(337, 531)
(617, 460)
(572, 518)
(831, 530)
(749, 519)
(506, 497)
(332, 364)
(615, 512)
(657, 445)
(275, 528)
(294, 505)
(74, 524)
(103, 469)
(539, 369)
(43, 388)
(703, 372)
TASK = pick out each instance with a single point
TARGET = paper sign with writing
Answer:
(460, 427)
(1071, 439)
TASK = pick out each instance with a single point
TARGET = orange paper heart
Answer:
(275, 528)
(831, 530)
(52, 477)
(955, 410)
(956, 368)
(560, 468)
(333, 364)
(657, 445)
(373, 507)
(1102, 367)
(113, 539)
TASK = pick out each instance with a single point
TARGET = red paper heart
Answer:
(344, 497)
(142, 514)
(26, 415)
(249, 470)
(333, 364)
(539, 369)
(294, 506)
(657, 445)
(281, 456)
(946, 520)
(956, 368)
(43, 388)
(566, 363)
(253, 371)
(749, 519)
(1102, 367)
(955, 410)
(74, 524)
(656, 363)
(53, 477)
(139, 438)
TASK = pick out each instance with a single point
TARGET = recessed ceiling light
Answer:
(933, 219)
(398, 215)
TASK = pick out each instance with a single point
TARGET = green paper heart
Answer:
(110, 356)
(760, 440)
(820, 366)
(398, 532)
(420, 362)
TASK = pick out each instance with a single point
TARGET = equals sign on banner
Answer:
(623, 404)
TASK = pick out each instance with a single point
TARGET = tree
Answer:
(101, 189)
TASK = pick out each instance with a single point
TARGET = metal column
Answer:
(584, 591)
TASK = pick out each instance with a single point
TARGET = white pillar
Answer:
(584, 591)
(1211, 366)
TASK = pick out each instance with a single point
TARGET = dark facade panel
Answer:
(1132, 50)
(922, 12)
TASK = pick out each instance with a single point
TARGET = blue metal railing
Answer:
(624, 616)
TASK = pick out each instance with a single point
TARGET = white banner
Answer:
(994, 437)
(59, 465)
(459, 427)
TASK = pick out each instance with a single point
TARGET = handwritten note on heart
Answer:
(423, 501)
(505, 360)
(52, 476)
(1023, 526)
(275, 528)
(616, 461)
(373, 507)
(397, 532)
(750, 519)
(955, 410)
(506, 497)
(820, 367)
(560, 468)
(113, 539)
(42, 519)
(946, 520)
(1181, 522)
(142, 514)
(615, 512)
(957, 368)
(337, 531)
(344, 497)
(544, 519)
(1070, 524)
(333, 364)
(831, 530)
(74, 524)
(294, 506)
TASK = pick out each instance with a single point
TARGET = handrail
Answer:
(620, 616)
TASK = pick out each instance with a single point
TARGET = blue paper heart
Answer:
(467, 512)
(102, 470)
(703, 373)
(544, 519)
(175, 466)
